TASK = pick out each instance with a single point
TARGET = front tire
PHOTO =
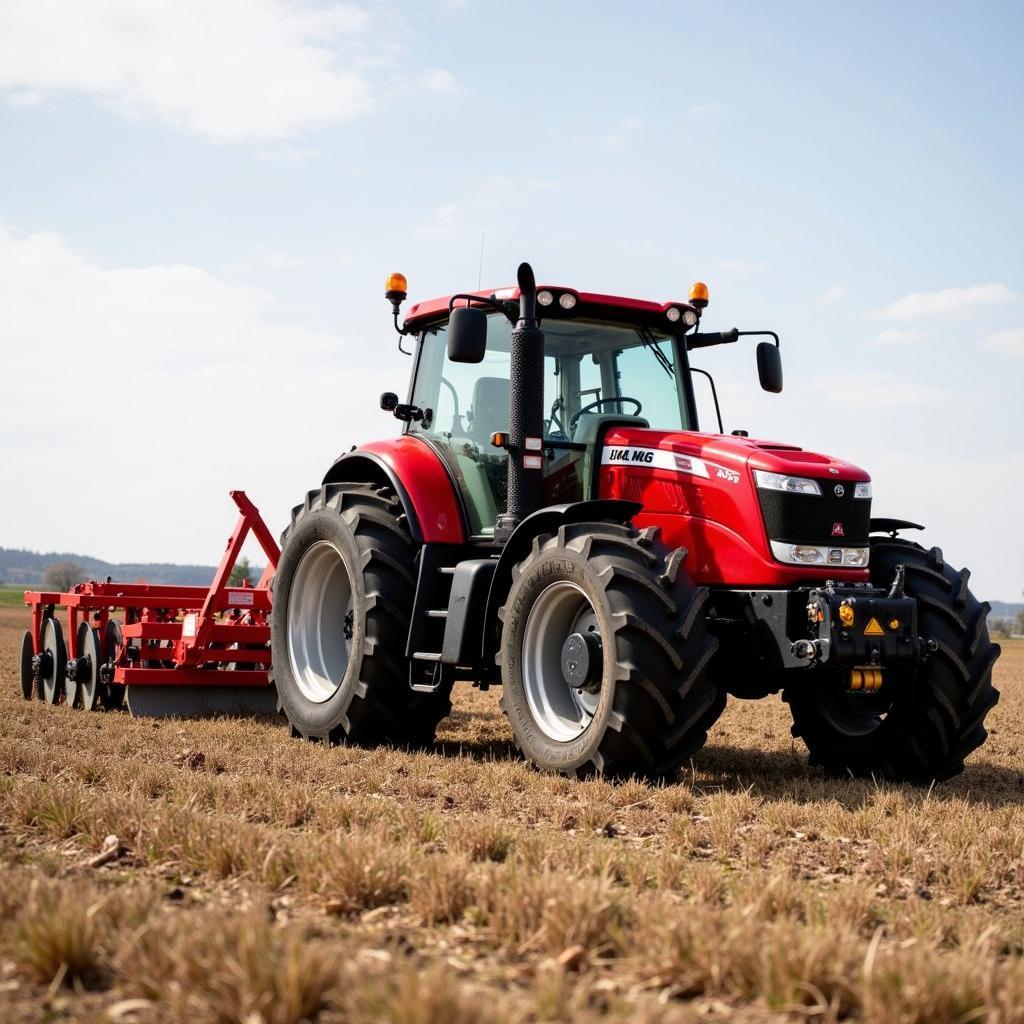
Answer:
(638, 623)
(921, 725)
(342, 601)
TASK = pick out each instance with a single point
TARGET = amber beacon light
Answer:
(699, 294)
(396, 290)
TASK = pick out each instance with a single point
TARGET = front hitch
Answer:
(861, 629)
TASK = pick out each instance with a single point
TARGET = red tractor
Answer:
(553, 518)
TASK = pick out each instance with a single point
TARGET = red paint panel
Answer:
(420, 470)
(431, 309)
(718, 517)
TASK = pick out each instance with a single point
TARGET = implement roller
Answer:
(167, 650)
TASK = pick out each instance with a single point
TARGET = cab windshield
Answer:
(591, 368)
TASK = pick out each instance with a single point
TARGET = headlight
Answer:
(806, 553)
(812, 554)
(567, 300)
(545, 298)
(788, 484)
(673, 313)
(862, 490)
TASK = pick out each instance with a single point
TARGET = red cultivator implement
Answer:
(171, 650)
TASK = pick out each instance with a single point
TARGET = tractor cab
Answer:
(608, 362)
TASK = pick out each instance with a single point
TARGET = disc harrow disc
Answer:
(110, 694)
(28, 680)
(90, 660)
(74, 672)
(54, 663)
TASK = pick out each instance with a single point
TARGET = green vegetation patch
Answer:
(12, 597)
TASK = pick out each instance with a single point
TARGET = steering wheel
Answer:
(597, 405)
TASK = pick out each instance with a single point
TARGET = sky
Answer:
(200, 202)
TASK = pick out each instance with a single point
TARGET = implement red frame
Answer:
(179, 636)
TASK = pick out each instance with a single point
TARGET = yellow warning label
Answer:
(874, 628)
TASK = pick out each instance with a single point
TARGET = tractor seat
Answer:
(490, 408)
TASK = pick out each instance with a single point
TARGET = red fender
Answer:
(420, 479)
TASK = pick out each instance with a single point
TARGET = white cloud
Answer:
(897, 336)
(440, 81)
(231, 70)
(947, 302)
(160, 387)
(877, 390)
(24, 98)
(834, 294)
(1010, 341)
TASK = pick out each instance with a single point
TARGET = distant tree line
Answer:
(66, 573)
(63, 575)
(1007, 626)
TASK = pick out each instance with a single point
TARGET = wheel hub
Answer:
(582, 658)
(78, 670)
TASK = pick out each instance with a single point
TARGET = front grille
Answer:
(811, 518)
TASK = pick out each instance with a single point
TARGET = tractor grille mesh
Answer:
(812, 519)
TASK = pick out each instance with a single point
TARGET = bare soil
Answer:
(256, 878)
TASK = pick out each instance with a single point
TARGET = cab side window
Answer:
(464, 404)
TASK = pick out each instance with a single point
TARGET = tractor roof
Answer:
(591, 304)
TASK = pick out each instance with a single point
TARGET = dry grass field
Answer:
(255, 878)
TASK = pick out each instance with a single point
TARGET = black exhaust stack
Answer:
(525, 412)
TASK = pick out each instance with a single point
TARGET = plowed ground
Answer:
(257, 878)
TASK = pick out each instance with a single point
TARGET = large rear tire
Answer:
(922, 724)
(639, 638)
(342, 601)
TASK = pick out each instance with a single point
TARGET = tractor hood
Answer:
(735, 453)
(704, 491)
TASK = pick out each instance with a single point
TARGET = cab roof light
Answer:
(396, 288)
(699, 295)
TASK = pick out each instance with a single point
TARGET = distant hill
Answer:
(1005, 610)
(26, 569)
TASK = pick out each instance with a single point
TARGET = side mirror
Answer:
(467, 335)
(769, 367)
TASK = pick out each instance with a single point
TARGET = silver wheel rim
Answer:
(561, 712)
(319, 622)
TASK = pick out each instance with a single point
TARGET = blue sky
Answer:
(199, 203)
